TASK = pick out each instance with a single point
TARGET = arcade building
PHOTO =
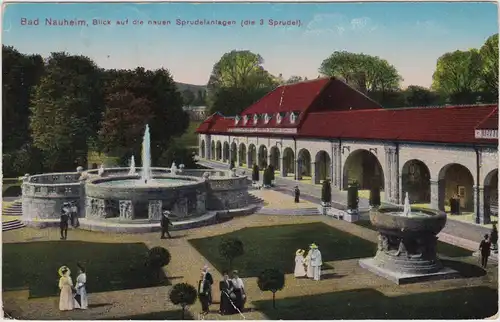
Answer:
(325, 129)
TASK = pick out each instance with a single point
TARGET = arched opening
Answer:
(362, 167)
(243, 154)
(304, 164)
(322, 166)
(252, 155)
(225, 156)
(218, 151)
(262, 157)
(212, 151)
(234, 153)
(491, 195)
(416, 181)
(202, 149)
(288, 161)
(275, 158)
(456, 181)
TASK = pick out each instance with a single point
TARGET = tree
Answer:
(123, 124)
(271, 280)
(458, 76)
(20, 74)
(65, 110)
(366, 73)
(238, 77)
(489, 67)
(183, 294)
(416, 96)
(178, 153)
(157, 258)
(326, 192)
(295, 79)
(231, 248)
(188, 97)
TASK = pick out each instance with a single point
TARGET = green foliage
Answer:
(326, 192)
(188, 97)
(255, 173)
(183, 294)
(230, 249)
(26, 159)
(268, 174)
(158, 257)
(352, 197)
(271, 280)
(375, 196)
(178, 153)
(489, 70)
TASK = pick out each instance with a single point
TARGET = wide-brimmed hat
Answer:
(313, 246)
(205, 268)
(61, 269)
(299, 252)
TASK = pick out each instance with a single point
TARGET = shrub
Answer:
(375, 196)
(271, 280)
(267, 177)
(272, 172)
(352, 197)
(183, 294)
(231, 165)
(157, 258)
(326, 192)
(231, 248)
(255, 173)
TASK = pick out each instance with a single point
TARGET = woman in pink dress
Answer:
(299, 264)
(66, 300)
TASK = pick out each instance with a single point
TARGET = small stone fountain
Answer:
(132, 167)
(407, 244)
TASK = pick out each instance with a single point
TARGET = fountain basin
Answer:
(389, 221)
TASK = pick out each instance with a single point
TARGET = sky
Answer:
(409, 35)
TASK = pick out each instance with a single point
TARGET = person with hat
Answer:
(484, 248)
(165, 222)
(299, 264)
(66, 301)
(296, 193)
(307, 263)
(81, 297)
(316, 262)
(63, 224)
(239, 292)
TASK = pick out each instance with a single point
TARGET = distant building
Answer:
(325, 129)
(196, 113)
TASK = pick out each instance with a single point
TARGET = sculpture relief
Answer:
(126, 210)
(154, 209)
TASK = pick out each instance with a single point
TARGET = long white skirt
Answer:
(310, 272)
(299, 270)
(66, 300)
(84, 299)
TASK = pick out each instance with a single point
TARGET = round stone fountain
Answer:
(407, 240)
(133, 199)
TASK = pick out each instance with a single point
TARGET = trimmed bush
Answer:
(267, 177)
(352, 197)
(183, 294)
(272, 172)
(326, 192)
(375, 196)
(271, 280)
(231, 248)
(255, 173)
(157, 258)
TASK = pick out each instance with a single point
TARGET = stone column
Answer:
(282, 168)
(126, 209)
(249, 158)
(298, 170)
(81, 203)
(392, 179)
(434, 194)
(154, 210)
(336, 167)
(269, 158)
(484, 218)
(388, 176)
(208, 148)
(315, 178)
(400, 190)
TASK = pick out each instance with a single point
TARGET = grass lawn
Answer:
(110, 267)
(442, 248)
(463, 303)
(275, 247)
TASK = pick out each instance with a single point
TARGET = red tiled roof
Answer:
(215, 123)
(490, 122)
(454, 124)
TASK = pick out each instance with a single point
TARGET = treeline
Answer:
(57, 109)
(461, 77)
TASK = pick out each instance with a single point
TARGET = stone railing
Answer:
(54, 178)
(126, 170)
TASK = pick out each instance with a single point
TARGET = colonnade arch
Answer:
(455, 180)
(203, 149)
(275, 158)
(218, 151)
(491, 193)
(212, 152)
(364, 168)
(288, 161)
(416, 181)
(322, 166)
(225, 155)
(252, 155)
(242, 151)
(304, 164)
(234, 152)
(262, 156)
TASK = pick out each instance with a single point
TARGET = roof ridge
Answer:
(486, 118)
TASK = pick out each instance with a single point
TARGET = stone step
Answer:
(11, 225)
(292, 212)
(12, 211)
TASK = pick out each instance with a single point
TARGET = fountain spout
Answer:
(100, 171)
(406, 206)
(146, 156)
(132, 166)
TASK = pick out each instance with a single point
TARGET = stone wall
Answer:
(227, 193)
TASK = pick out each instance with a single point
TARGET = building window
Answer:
(292, 117)
(237, 120)
(278, 118)
(255, 119)
(245, 119)
(267, 118)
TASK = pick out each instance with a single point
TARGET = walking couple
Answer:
(310, 265)
(72, 297)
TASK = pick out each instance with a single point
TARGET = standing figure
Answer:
(296, 193)
(66, 301)
(226, 290)
(299, 264)
(203, 294)
(316, 262)
(307, 262)
(210, 282)
(484, 247)
(63, 224)
(165, 222)
(239, 291)
(81, 297)
(494, 238)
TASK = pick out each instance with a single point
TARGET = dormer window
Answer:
(245, 120)
(255, 119)
(278, 118)
(237, 120)
(293, 117)
(267, 118)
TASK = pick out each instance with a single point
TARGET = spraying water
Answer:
(146, 156)
(132, 166)
(406, 206)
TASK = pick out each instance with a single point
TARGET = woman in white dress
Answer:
(66, 300)
(299, 264)
(309, 268)
(81, 289)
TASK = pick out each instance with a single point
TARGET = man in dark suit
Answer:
(226, 289)
(296, 193)
(210, 282)
(165, 222)
(485, 248)
(63, 224)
